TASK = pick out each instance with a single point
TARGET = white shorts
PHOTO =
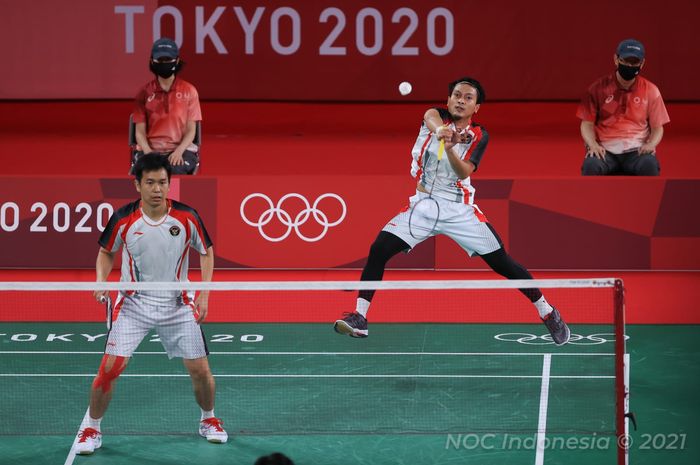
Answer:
(464, 224)
(176, 327)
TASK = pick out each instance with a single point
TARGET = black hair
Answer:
(152, 162)
(481, 95)
(274, 459)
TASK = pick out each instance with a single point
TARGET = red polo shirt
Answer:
(623, 117)
(166, 113)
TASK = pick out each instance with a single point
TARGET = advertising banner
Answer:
(324, 222)
(343, 50)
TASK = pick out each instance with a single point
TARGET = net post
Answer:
(621, 387)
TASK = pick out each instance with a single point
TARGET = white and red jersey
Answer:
(156, 251)
(425, 161)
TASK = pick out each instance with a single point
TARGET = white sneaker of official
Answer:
(212, 430)
(89, 439)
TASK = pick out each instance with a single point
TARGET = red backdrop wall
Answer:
(330, 221)
(344, 51)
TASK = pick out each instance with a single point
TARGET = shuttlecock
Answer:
(405, 88)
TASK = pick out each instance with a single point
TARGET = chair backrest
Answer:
(132, 130)
(198, 134)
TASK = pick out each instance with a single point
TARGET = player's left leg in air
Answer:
(477, 236)
(503, 264)
(385, 246)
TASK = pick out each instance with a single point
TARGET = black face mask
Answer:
(628, 72)
(164, 70)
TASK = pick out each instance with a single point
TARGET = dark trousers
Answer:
(191, 160)
(386, 245)
(630, 164)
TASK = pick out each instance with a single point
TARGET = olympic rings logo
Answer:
(546, 339)
(293, 224)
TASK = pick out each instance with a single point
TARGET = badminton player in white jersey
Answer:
(155, 234)
(458, 217)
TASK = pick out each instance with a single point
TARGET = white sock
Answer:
(93, 423)
(207, 414)
(362, 306)
(543, 307)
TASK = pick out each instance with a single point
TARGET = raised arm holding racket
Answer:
(424, 213)
(448, 149)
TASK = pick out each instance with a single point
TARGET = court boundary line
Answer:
(71, 453)
(298, 375)
(544, 403)
(504, 354)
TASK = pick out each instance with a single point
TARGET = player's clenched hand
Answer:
(201, 304)
(597, 151)
(462, 136)
(445, 133)
(100, 295)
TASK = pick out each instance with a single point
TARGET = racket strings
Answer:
(425, 214)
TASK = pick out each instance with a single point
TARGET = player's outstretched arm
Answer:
(206, 263)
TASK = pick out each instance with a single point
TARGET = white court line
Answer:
(264, 375)
(544, 401)
(504, 354)
(71, 452)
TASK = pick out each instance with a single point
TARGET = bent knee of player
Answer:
(198, 368)
(111, 367)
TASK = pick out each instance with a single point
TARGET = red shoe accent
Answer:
(88, 433)
(215, 422)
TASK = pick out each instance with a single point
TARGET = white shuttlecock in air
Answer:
(405, 88)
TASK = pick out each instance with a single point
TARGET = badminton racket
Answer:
(425, 213)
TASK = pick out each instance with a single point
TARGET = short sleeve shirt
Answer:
(155, 252)
(166, 113)
(623, 117)
(440, 177)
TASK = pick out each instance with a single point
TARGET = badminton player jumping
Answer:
(444, 204)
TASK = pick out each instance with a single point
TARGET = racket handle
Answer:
(103, 299)
(441, 149)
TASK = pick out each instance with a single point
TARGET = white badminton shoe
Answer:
(212, 430)
(89, 439)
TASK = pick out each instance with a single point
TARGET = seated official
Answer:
(622, 118)
(167, 111)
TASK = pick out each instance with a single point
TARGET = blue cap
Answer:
(164, 47)
(630, 48)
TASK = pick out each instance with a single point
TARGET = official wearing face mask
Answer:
(167, 111)
(622, 118)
